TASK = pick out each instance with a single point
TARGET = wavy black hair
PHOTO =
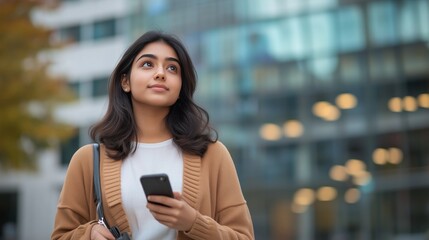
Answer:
(187, 122)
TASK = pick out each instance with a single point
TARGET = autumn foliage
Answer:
(28, 93)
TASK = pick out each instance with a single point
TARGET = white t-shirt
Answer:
(149, 158)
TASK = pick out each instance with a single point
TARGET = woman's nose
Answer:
(160, 74)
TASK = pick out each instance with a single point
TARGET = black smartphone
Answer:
(156, 184)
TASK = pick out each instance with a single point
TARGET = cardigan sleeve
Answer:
(76, 207)
(232, 219)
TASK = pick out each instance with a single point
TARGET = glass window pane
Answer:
(423, 12)
(323, 69)
(408, 29)
(99, 87)
(258, 42)
(382, 20)
(227, 46)
(351, 30)
(9, 215)
(266, 79)
(322, 33)
(352, 68)
(383, 65)
(419, 152)
(279, 163)
(70, 34)
(293, 76)
(415, 59)
(69, 147)
(294, 41)
(212, 54)
(226, 83)
(104, 29)
(74, 86)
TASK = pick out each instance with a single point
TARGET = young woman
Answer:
(152, 125)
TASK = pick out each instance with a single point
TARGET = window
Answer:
(407, 19)
(415, 59)
(294, 39)
(323, 69)
(70, 34)
(104, 29)
(68, 148)
(99, 87)
(419, 152)
(352, 68)
(293, 76)
(327, 153)
(350, 27)
(266, 79)
(322, 33)
(211, 49)
(74, 86)
(279, 164)
(382, 21)
(423, 11)
(8, 216)
(383, 65)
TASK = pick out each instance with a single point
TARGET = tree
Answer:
(29, 94)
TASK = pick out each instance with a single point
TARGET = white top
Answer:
(149, 158)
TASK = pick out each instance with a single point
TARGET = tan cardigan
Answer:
(210, 185)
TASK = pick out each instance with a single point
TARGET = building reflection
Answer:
(323, 103)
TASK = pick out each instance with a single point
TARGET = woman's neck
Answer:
(151, 125)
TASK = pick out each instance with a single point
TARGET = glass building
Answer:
(324, 105)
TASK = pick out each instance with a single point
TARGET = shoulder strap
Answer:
(97, 184)
(97, 188)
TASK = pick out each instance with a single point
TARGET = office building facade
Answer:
(323, 104)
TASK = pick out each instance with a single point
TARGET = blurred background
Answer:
(323, 104)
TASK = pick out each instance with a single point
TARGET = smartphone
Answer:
(156, 184)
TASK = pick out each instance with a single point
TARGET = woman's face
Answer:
(155, 78)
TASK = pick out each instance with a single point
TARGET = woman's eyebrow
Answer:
(148, 55)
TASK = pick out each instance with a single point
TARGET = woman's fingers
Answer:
(176, 213)
(99, 232)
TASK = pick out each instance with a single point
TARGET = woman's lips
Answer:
(158, 87)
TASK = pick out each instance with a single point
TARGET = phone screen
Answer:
(156, 184)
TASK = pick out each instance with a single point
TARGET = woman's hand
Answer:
(99, 232)
(175, 214)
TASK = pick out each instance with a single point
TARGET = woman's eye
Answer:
(147, 64)
(172, 68)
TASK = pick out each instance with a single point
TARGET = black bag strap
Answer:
(97, 184)
(97, 188)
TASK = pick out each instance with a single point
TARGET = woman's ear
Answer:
(125, 83)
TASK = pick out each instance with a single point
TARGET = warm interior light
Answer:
(395, 104)
(423, 100)
(338, 173)
(332, 114)
(379, 156)
(270, 132)
(352, 195)
(320, 108)
(395, 155)
(304, 196)
(409, 104)
(326, 193)
(346, 101)
(362, 178)
(355, 166)
(293, 128)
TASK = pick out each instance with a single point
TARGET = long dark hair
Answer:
(187, 122)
